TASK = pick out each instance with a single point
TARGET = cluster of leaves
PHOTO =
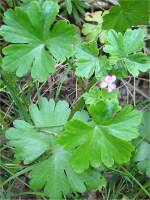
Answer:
(74, 8)
(32, 141)
(77, 8)
(72, 149)
(38, 44)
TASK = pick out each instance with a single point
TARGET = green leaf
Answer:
(88, 61)
(29, 25)
(21, 57)
(103, 140)
(145, 126)
(37, 44)
(58, 178)
(62, 40)
(125, 49)
(118, 44)
(81, 115)
(50, 115)
(126, 14)
(92, 29)
(136, 63)
(93, 179)
(143, 158)
(30, 141)
(68, 6)
(96, 94)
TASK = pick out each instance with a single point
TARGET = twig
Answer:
(136, 89)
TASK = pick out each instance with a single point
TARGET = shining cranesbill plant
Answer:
(68, 150)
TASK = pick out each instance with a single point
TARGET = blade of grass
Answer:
(3, 123)
(32, 193)
(61, 82)
(15, 175)
(136, 181)
(13, 89)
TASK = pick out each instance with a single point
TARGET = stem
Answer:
(37, 90)
(31, 193)
(136, 181)
(145, 186)
(5, 3)
(136, 89)
(80, 103)
(3, 123)
(15, 176)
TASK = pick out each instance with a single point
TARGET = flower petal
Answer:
(111, 87)
(110, 78)
(103, 84)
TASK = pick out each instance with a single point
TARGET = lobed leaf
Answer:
(125, 49)
(143, 158)
(30, 141)
(37, 45)
(49, 114)
(58, 178)
(104, 140)
(126, 14)
(92, 28)
(96, 94)
(88, 61)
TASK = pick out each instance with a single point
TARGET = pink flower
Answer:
(109, 83)
(114, 1)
